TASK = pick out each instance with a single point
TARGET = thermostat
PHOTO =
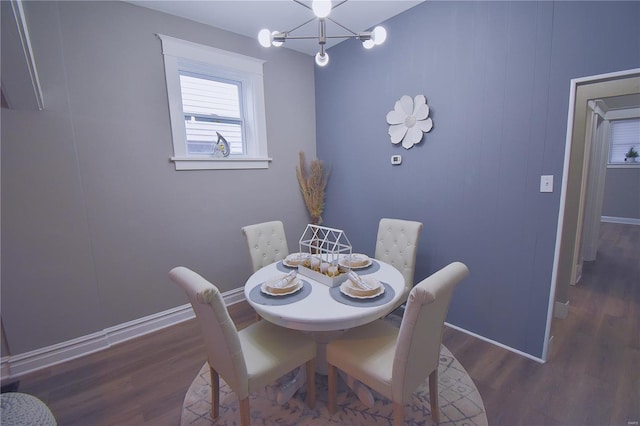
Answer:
(396, 159)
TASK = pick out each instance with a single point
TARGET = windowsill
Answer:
(209, 163)
(635, 165)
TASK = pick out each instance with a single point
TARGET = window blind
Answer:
(625, 134)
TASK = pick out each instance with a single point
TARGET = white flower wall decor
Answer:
(409, 120)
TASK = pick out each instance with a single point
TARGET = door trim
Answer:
(562, 239)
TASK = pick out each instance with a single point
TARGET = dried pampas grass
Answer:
(313, 182)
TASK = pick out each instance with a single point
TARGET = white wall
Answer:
(622, 193)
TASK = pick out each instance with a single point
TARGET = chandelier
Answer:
(321, 10)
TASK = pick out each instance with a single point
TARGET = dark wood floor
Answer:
(592, 378)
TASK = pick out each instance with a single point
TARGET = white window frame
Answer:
(223, 64)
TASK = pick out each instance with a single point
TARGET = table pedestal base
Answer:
(363, 393)
(322, 338)
(288, 389)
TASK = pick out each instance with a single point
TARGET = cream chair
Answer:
(267, 243)
(247, 359)
(397, 244)
(392, 361)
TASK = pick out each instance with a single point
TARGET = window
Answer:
(625, 134)
(213, 91)
(211, 105)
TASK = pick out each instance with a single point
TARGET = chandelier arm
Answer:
(343, 36)
(312, 37)
(302, 4)
(339, 4)
(340, 25)
(299, 26)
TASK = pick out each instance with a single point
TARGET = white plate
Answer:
(298, 286)
(286, 261)
(345, 264)
(343, 290)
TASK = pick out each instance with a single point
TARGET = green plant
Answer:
(632, 153)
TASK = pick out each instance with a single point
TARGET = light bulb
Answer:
(265, 38)
(368, 44)
(273, 42)
(322, 60)
(321, 8)
(379, 35)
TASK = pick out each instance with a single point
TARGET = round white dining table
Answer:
(323, 310)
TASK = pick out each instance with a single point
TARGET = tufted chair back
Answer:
(267, 243)
(420, 336)
(221, 341)
(249, 359)
(395, 362)
(397, 244)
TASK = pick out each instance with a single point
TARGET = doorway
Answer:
(574, 181)
(602, 112)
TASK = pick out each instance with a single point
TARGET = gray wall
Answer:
(622, 193)
(497, 78)
(93, 213)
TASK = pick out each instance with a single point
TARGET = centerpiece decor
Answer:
(313, 182)
(324, 247)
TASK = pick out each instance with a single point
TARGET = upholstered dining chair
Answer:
(392, 361)
(267, 243)
(397, 244)
(247, 359)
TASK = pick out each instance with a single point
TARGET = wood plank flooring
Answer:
(592, 378)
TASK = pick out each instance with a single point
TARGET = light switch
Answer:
(396, 159)
(546, 183)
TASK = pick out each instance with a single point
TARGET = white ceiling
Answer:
(248, 17)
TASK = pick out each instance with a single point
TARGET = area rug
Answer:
(460, 403)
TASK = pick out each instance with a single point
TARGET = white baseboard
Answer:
(16, 365)
(5, 371)
(493, 342)
(623, 220)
